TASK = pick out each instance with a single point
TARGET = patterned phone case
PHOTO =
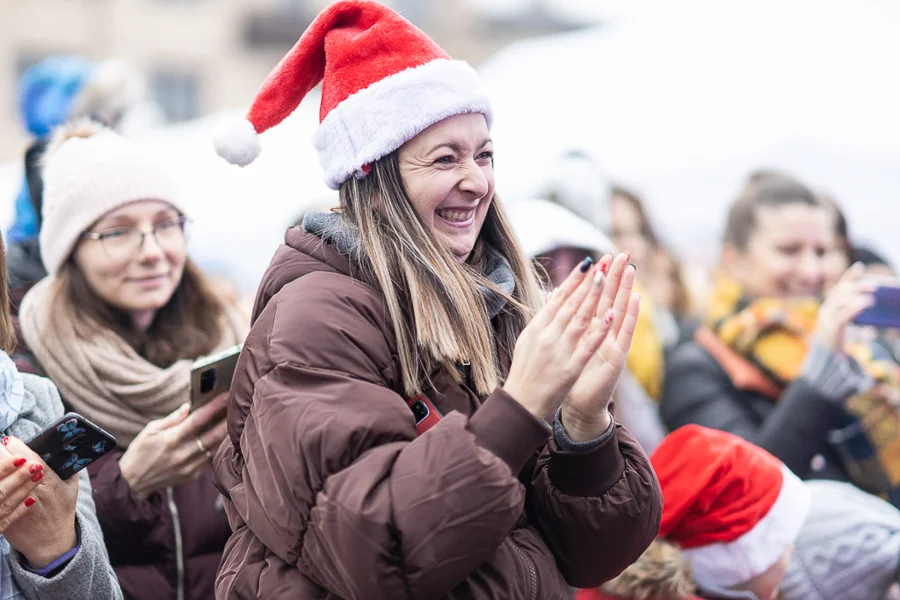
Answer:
(71, 444)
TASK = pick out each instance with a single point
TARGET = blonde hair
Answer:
(438, 315)
(661, 573)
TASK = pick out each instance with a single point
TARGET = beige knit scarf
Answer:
(100, 375)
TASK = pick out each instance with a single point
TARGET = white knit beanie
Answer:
(848, 547)
(88, 172)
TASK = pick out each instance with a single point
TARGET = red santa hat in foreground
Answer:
(733, 508)
(383, 82)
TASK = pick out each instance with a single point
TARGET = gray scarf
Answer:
(345, 238)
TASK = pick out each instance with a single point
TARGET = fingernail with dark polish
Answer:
(586, 264)
(633, 266)
(19, 462)
(29, 502)
(37, 477)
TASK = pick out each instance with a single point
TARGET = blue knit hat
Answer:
(47, 92)
(48, 89)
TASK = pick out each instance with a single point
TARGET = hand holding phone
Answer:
(37, 514)
(174, 449)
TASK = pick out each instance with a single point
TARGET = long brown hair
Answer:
(7, 333)
(438, 315)
(188, 326)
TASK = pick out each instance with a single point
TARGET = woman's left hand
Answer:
(585, 411)
(46, 530)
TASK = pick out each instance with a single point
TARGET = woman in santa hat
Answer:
(409, 418)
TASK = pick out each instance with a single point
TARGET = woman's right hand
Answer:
(554, 348)
(852, 294)
(175, 449)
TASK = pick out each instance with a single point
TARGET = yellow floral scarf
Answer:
(773, 334)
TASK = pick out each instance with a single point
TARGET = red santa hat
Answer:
(383, 82)
(733, 508)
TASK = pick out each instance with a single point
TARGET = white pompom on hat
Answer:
(383, 82)
(89, 171)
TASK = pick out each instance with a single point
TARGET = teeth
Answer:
(457, 216)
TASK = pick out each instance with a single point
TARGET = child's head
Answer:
(733, 509)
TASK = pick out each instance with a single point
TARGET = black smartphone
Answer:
(886, 310)
(212, 375)
(71, 444)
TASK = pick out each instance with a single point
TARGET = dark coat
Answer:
(332, 494)
(794, 428)
(175, 536)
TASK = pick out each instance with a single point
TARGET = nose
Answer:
(474, 179)
(812, 269)
(150, 250)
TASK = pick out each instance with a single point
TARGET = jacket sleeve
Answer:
(123, 517)
(342, 487)
(597, 509)
(88, 574)
(698, 391)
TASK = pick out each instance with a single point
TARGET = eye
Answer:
(791, 250)
(485, 156)
(111, 234)
(445, 160)
(168, 224)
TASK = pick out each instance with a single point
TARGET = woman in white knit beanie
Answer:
(117, 326)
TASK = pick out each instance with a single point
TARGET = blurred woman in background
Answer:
(772, 363)
(117, 326)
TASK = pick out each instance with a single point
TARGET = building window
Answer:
(176, 93)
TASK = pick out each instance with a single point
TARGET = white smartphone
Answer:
(212, 375)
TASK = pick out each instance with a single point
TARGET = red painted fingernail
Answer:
(5, 440)
(37, 477)
(35, 469)
(608, 317)
(604, 267)
(19, 462)
(29, 502)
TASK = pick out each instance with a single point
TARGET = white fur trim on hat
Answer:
(377, 120)
(237, 141)
(729, 564)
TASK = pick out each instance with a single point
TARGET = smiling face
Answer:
(787, 253)
(448, 173)
(140, 280)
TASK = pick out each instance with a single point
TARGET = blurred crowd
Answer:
(770, 418)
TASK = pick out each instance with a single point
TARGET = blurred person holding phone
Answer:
(117, 326)
(410, 418)
(51, 544)
(774, 362)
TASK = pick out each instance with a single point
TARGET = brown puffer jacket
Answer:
(331, 493)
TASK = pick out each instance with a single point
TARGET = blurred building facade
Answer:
(200, 56)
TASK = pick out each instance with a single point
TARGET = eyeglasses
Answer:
(124, 242)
